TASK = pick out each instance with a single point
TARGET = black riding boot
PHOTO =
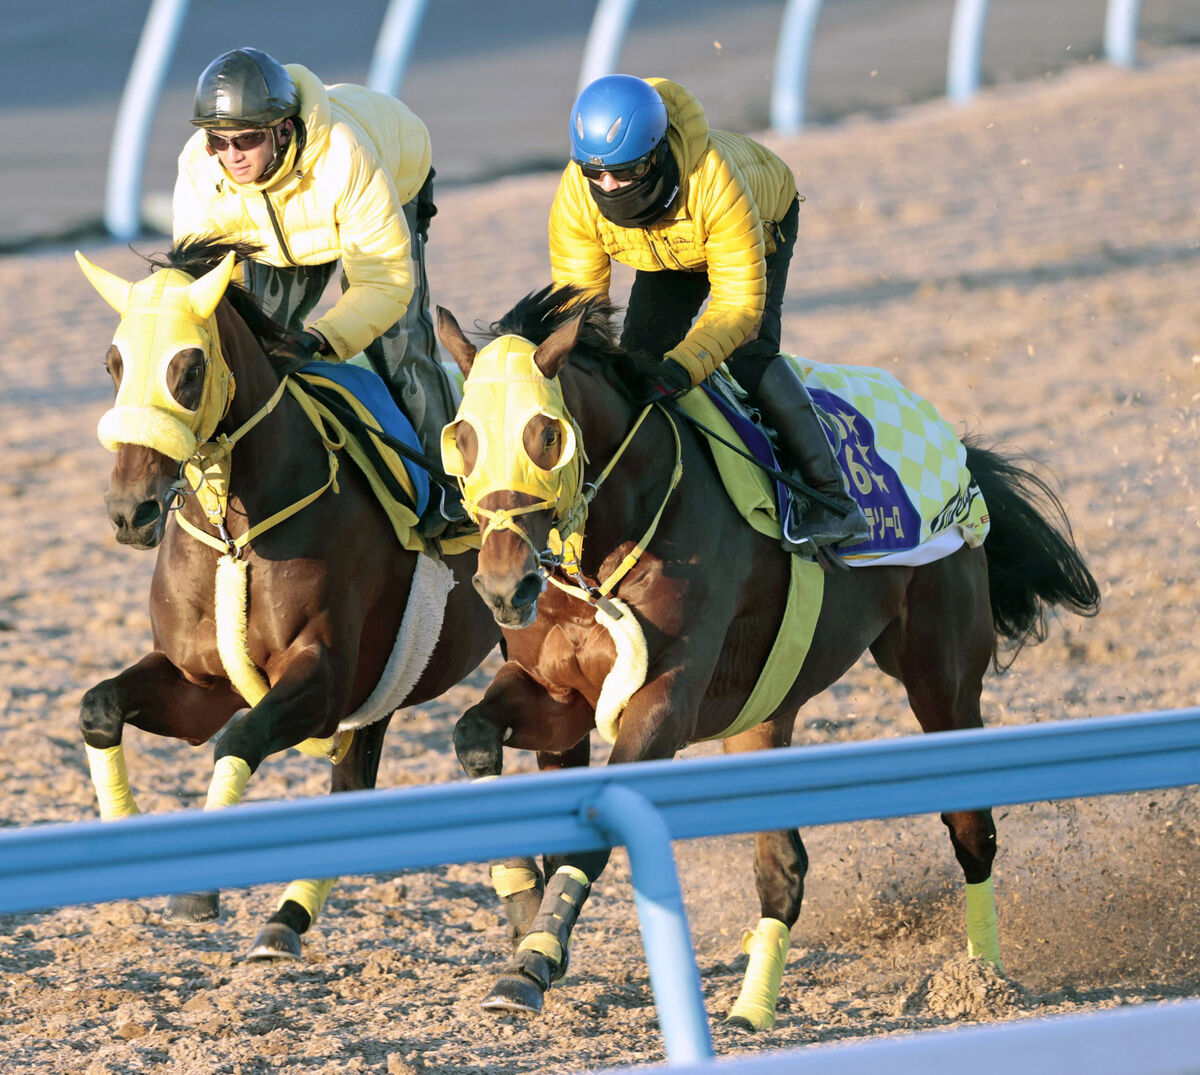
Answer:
(785, 403)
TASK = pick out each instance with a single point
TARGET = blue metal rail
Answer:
(643, 806)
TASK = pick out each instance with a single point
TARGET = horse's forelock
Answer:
(197, 255)
(540, 313)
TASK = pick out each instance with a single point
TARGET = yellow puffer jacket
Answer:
(732, 190)
(365, 155)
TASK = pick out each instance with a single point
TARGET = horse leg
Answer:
(518, 711)
(155, 696)
(940, 651)
(292, 710)
(780, 863)
(541, 941)
(152, 695)
(302, 901)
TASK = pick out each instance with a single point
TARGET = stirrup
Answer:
(441, 515)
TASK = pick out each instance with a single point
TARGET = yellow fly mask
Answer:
(164, 314)
(503, 392)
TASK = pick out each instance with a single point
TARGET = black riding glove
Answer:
(298, 350)
(671, 380)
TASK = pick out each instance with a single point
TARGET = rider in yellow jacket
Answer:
(698, 213)
(315, 176)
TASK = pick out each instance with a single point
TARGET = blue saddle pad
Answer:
(368, 388)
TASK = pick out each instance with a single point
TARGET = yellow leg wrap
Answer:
(767, 947)
(545, 943)
(578, 875)
(111, 782)
(311, 895)
(509, 880)
(334, 748)
(228, 782)
(983, 939)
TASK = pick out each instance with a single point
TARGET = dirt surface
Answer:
(1029, 264)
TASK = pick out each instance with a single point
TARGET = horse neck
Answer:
(629, 497)
(282, 441)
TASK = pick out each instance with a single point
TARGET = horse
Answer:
(281, 589)
(648, 595)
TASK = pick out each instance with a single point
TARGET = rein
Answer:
(598, 595)
(792, 482)
(211, 464)
(564, 553)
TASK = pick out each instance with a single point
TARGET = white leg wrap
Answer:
(983, 939)
(111, 782)
(767, 947)
(228, 782)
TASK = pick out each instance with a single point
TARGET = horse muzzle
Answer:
(139, 522)
(513, 602)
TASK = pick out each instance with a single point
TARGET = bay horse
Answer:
(277, 604)
(704, 595)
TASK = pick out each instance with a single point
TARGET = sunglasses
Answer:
(243, 143)
(620, 172)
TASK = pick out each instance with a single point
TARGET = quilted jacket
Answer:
(733, 192)
(364, 156)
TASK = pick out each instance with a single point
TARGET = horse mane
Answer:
(196, 255)
(540, 313)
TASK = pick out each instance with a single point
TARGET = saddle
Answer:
(356, 405)
(902, 462)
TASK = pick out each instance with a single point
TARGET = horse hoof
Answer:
(274, 942)
(192, 908)
(738, 1022)
(516, 994)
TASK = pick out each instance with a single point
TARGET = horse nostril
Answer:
(147, 512)
(528, 590)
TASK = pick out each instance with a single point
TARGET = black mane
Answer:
(197, 256)
(540, 313)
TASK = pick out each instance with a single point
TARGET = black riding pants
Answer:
(663, 305)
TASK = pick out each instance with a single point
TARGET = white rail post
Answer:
(604, 40)
(626, 817)
(966, 49)
(394, 48)
(127, 155)
(1121, 32)
(789, 87)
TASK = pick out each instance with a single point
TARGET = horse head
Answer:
(173, 387)
(518, 456)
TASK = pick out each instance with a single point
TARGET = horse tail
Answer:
(1033, 562)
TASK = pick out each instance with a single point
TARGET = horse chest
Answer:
(572, 655)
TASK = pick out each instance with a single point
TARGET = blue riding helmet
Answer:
(615, 121)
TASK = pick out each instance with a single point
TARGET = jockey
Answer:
(698, 213)
(314, 175)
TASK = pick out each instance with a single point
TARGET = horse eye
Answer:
(192, 373)
(550, 437)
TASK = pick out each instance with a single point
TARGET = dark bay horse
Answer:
(283, 601)
(706, 599)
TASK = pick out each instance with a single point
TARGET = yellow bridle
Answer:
(504, 390)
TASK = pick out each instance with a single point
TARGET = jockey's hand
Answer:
(298, 350)
(671, 380)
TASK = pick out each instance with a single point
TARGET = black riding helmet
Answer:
(245, 88)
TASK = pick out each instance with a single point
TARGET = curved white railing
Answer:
(610, 24)
(643, 807)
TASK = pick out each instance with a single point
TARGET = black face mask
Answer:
(645, 201)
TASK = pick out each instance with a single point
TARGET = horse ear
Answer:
(552, 354)
(113, 289)
(205, 293)
(454, 341)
